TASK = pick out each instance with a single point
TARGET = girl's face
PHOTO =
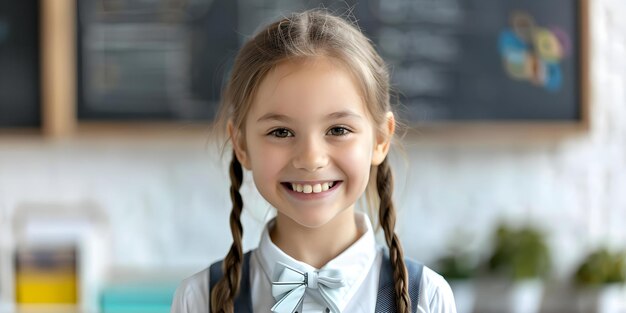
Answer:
(309, 141)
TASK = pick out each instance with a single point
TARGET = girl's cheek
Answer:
(356, 158)
(267, 158)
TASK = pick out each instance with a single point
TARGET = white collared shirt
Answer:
(360, 264)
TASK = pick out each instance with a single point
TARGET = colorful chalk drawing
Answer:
(533, 53)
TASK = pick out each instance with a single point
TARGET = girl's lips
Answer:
(312, 195)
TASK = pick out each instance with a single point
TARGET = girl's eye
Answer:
(338, 131)
(281, 133)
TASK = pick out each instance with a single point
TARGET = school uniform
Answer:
(364, 272)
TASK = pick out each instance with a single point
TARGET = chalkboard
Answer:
(451, 60)
(19, 64)
(153, 59)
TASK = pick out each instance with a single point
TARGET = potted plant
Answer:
(600, 282)
(459, 268)
(519, 262)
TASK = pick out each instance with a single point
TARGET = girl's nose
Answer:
(310, 155)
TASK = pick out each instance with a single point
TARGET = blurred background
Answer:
(510, 181)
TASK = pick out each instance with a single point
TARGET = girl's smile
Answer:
(311, 190)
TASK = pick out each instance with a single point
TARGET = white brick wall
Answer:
(166, 200)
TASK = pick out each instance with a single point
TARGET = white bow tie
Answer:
(289, 285)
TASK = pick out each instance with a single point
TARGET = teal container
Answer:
(137, 298)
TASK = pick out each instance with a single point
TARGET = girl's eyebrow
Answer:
(343, 114)
(332, 116)
(274, 117)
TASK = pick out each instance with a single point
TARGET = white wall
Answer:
(166, 200)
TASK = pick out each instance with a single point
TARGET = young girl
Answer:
(307, 111)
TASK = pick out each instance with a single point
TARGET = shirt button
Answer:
(327, 310)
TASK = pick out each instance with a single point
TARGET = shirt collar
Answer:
(354, 263)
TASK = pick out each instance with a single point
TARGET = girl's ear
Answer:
(383, 140)
(239, 145)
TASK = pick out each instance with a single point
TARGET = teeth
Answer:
(307, 188)
(317, 188)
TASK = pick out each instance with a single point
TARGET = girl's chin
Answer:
(310, 220)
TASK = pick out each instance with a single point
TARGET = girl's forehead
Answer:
(312, 85)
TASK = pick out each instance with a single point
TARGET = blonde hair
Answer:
(303, 35)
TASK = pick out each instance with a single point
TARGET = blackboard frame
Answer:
(59, 117)
(475, 129)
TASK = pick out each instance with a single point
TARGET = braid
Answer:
(227, 288)
(387, 218)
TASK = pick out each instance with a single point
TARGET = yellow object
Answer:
(46, 288)
(547, 45)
